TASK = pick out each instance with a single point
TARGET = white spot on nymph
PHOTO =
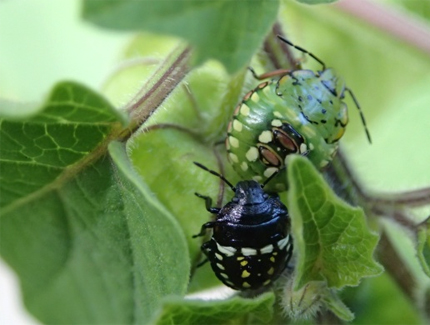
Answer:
(244, 110)
(277, 114)
(233, 157)
(225, 276)
(244, 166)
(270, 171)
(218, 256)
(283, 242)
(303, 148)
(252, 154)
(220, 266)
(257, 178)
(233, 141)
(267, 249)
(249, 251)
(237, 125)
(226, 250)
(276, 122)
(255, 97)
(265, 136)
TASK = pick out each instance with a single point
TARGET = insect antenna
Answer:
(363, 121)
(216, 174)
(303, 51)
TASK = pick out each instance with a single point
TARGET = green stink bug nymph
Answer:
(295, 112)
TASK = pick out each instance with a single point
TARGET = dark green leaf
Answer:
(89, 243)
(228, 31)
(231, 311)
(35, 151)
(332, 240)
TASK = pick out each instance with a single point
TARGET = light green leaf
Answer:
(228, 31)
(424, 246)
(332, 240)
(231, 311)
(89, 244)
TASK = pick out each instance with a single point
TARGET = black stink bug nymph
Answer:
(251, 242)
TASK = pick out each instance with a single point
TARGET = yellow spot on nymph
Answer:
(255, 97)
(276, 122)
(237, 125)
(244, 110)
(272, 259)
(271, 271)
(277, 114)
(246, 285)
(311, 146)
(265, 283)
(233, 141)
(218, 256)
(244, 166)
(243, 263)
(245, 274)
(240, 258)
(233, 157)
(267, 91)
(265, 136)
(270, 171)
(275, 253)
(252, 154)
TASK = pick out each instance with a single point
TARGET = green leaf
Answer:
(89, 243)
(332, 240)
(228, 31)
(36, 151)
(424, 246)
(231, 311)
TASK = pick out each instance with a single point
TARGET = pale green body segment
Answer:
(312, 105)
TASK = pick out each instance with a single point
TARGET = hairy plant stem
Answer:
(155, 90)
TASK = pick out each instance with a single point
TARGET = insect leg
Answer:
(205, 226)
(270, 74)
(208, 202)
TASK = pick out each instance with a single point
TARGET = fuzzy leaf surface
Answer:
(231, 311)
(332, 239)
(36, 149)
(88, 243)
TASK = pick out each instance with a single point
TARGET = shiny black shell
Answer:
(251, 243)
